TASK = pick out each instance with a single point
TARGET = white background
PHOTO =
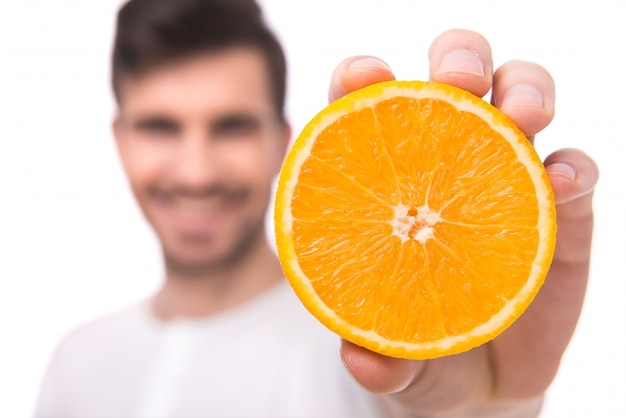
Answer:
(73, 244)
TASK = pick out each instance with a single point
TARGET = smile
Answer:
(199, 213)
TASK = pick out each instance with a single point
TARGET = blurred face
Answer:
(201, 142)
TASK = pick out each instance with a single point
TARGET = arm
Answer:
(508, 376)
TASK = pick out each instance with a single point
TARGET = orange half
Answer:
(414, 219)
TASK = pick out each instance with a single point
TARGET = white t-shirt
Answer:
(267, 358)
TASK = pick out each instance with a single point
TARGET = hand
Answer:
(507, 376)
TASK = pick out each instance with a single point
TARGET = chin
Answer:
(194, 266)
(202, 254)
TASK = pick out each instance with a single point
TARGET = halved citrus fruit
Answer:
(414, 219)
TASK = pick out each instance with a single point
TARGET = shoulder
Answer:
(88, 358)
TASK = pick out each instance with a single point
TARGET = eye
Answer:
(236, 126)
(158, 127)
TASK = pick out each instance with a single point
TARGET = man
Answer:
(201, 134)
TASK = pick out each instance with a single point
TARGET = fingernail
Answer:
(562, 169)
(368, 63)
(462, 61)
(522, 94)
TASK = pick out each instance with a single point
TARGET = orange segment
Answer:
(414, 219)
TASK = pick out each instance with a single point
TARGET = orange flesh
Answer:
(480, 246)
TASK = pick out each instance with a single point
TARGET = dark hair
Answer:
(150, 33)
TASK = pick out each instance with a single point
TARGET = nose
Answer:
(197, 163)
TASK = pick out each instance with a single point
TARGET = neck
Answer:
(216, 290)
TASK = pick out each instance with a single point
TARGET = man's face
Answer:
(200, 141)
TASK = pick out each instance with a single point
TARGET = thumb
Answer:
(378, 373)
